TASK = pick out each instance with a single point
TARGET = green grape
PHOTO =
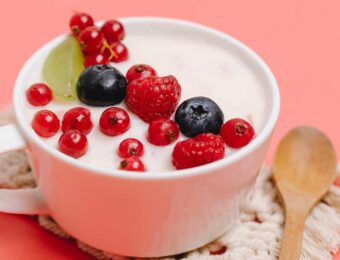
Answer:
(62, 69)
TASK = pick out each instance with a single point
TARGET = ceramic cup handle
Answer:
(18, 201)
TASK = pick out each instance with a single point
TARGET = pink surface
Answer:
(299, 39)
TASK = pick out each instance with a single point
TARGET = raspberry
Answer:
(73, 143)
(130, 147)
(132, 164)
(77, 118)
(114, 121)
(153, 97)
(199, 150)
(39, 94)
(163, 131)
(45, 123)
(140, 71)
(237, 133)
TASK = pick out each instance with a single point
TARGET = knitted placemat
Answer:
(257, 234)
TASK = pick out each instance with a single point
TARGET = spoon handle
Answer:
(292, 236)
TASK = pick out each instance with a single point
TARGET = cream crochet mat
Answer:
(256, 235)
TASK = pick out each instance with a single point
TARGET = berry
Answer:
(113, 31)
(77, 118)
(39, 94)
(200, 150)
(237, 133)
(114, 121)
(163, 131)
(139, 71)
(101, 85)
(79, 22)
(199, 115)
(73, 143)
(45, 123)
(130, 147)
(119, 52)
(91, 40)
(93, 59)
(132, 164)
(153, 97)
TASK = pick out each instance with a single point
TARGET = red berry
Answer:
(199, 150)
(39, 94)
(77, 118)
(73, 143)
(163, 131)
(237, 133)
(130, 147)
(113, 31)
(153, 97)
(79, 22)
(120, 52)
(132, 164)
(140, 71)
(93, 59)
(45, 123)
(114, 121)
(91, 40)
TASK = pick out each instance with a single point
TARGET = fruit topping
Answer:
(237, 132)
(91, 40)
(73, 143)
(162, 131)
(45, 123)
(120, 52)
(132, 164)
(130, 147)
(114, 121)
(199, 150)
(63, 67)
(113, 31)
(199, 115)
(39, 94)
(153, 97)
(93, 59)
(79, 22)
(140, 71)
(77, 118)
(101, 85)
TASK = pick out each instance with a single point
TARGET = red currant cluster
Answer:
(99, 45)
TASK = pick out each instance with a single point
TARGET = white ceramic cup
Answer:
(133, 214)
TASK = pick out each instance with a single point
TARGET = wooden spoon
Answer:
(304, 168)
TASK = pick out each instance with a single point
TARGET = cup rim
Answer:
(263, 135)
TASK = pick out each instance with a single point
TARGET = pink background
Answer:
(299, 39)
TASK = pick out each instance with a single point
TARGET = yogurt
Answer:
(201, 66)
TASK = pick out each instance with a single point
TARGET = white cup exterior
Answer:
(147, 215)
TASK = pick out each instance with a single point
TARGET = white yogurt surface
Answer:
(202, 67)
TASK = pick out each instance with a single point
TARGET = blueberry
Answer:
(101, 85)
(199, 115)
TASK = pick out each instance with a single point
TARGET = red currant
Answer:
(77, 118)
(45, 123)
(132, 164)
(120, 52)
(162, 132)
(114, 121)
(79, 22)
(140, 71)
(113, 31)
(237, 133)
(91, 40)
(73, 143)
(39, 94)
(93, 59)
(130, 147)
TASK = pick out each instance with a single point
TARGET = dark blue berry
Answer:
(199, 115)
(101, 85)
